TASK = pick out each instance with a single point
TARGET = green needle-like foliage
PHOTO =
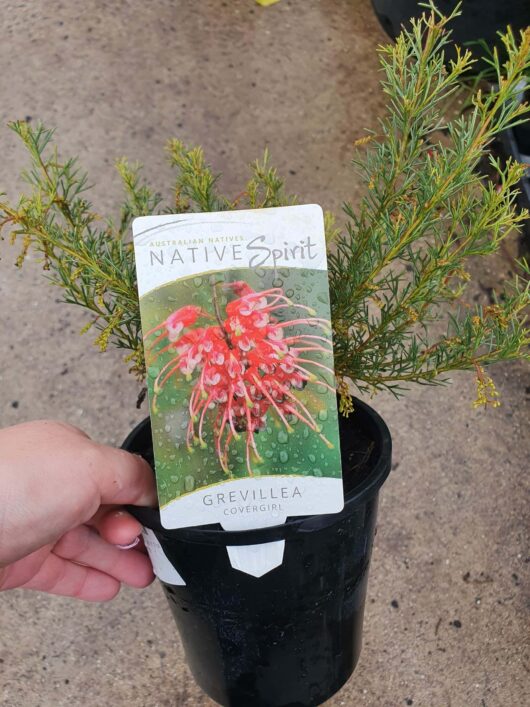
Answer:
(397, 270)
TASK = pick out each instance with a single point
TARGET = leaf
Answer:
(266, 3)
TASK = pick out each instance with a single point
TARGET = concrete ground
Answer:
(445, 620)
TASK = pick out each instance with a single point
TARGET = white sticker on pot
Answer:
(256, 560)
(162, 567)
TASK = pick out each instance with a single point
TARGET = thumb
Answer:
(124, 478)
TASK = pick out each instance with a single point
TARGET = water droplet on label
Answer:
(323, 415)
(269, 453)
(174, 479)
(152, 371)
(197, 281)
(305, 433)
(317, 472)
(189, 483)
(284, 457)
(277, 282)
(289, 293)
(283, 437)
(167, 428)
(311, 457)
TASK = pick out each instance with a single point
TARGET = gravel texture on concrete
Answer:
(446, 622)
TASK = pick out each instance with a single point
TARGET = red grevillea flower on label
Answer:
(242, 366)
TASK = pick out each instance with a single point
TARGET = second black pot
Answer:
(292, 637)
(480, 19)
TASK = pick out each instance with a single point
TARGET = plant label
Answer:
(236, 327)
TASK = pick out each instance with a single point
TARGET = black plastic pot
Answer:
(480, 19)
(292, 637)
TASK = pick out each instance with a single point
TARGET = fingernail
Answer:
(131, 545)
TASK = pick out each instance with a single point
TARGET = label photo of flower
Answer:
(241, 377)
(242, 367)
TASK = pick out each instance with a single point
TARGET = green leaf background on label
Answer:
(302, 452)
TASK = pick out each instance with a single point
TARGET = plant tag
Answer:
(236, 324)
(162, 567)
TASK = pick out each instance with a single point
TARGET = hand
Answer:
(60, 516)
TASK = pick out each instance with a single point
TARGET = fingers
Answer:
(122, 477)
(60, 576)
(116, 526)
(84, 545)
(54, 478)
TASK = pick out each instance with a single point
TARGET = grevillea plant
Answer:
(398, 265)
(246, 364)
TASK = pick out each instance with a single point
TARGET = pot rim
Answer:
(211, 535)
